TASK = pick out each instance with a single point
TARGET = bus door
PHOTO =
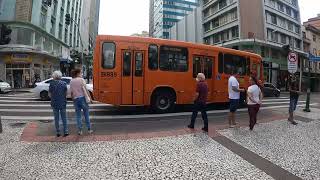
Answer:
(256, 68)
(132, 77)
(204, 64)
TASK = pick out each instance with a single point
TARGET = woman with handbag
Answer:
(81, 99)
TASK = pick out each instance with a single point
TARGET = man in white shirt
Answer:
(234, 97)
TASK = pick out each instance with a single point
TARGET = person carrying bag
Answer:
(81, 99)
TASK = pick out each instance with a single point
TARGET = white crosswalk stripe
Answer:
(26, 107)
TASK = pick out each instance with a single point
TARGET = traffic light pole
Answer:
(68, 18)
(307, 108)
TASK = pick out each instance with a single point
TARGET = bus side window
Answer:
(220, 63)
(208, 67)
(234, 64)
(153, 57)
(173, 59)
(126, 64)
(108, 55)
(196, 66)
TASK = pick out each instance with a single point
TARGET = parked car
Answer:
(4, 87)
(41, 90)
(270, 90)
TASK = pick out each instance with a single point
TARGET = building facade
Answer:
(40, 40)
(263, 29)
(311, 44)
(189, 29)
(166, 13)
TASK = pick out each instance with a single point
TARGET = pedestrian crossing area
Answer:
(26, 107)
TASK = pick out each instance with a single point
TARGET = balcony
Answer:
(26, 37)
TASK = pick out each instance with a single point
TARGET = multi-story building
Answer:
(189, 29)
(40, 40)
(151, 19)
(311, 44)
(260, 26)
(166, 13)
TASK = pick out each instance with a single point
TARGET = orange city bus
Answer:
(161, 73)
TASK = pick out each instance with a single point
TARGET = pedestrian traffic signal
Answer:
(5, 35)
(68, 19)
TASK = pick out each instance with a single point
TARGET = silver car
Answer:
(4, 87)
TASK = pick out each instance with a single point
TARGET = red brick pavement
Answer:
(29, 133)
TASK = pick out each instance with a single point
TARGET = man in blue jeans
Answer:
(234, 97)
(58, 93)
(294, 97)
(200, 102)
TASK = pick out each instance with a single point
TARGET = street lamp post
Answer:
(307, 108)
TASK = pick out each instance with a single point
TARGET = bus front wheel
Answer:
(163, 102)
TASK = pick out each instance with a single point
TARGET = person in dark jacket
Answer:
(294, 97)
(200, 102)
(58, 93)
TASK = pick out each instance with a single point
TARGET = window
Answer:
(49, 81)
(60, 31)
(53, 26)
(295, 15)
(208, 67)
(66, 80)
(288, 10)
(304, 35)
(290, 26)
(126, 64)
(280, 7)
(108, 55)
(314, 38)
(43, 17)
(297, 29)
(173, 59)
(139, 64)
(234, 64)
(235, 32)
(294, 2)
(283, 39)
(222, 4)
(282, 22)
(202, 65)
(196, 66)
(273, 19)
(153, 57)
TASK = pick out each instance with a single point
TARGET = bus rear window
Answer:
(108, 55)
(173, 59)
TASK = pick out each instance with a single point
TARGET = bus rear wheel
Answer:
(163, 102)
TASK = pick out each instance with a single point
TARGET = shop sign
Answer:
(20, 56)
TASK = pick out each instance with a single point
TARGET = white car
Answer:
(4, 87)
(41, 90)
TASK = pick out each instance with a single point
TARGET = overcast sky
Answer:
(126, 17)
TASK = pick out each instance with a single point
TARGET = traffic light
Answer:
(286, 49)
(5, 35)
(48, 2)
(68, 19)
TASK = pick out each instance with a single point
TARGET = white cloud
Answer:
(309, 9)
(123, 17)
